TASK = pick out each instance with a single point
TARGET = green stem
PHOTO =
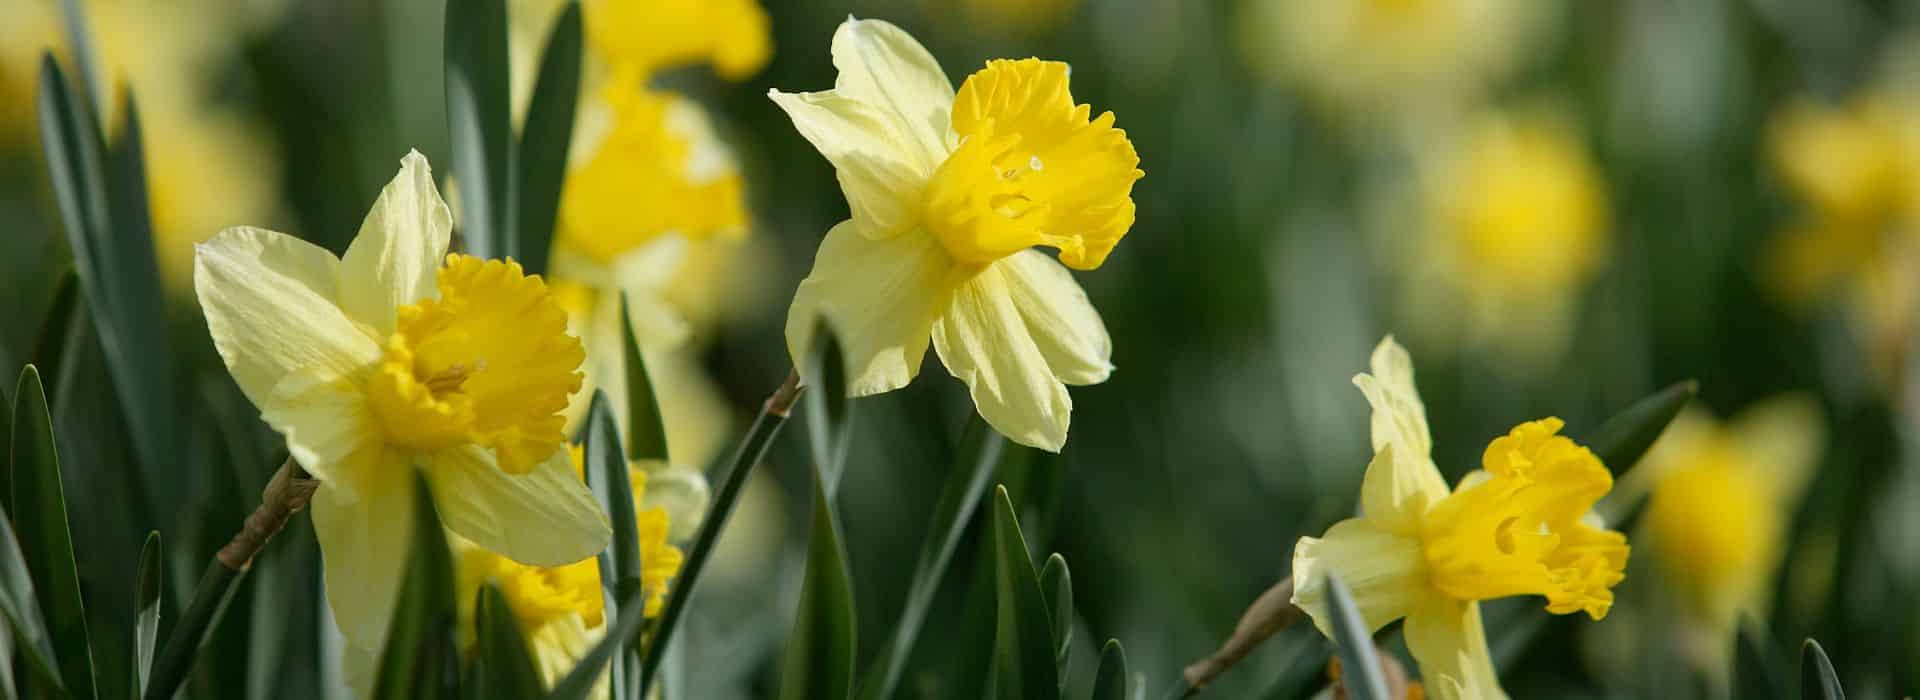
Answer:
(773, 415)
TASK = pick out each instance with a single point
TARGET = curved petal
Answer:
(984, 341)
(545, 517)
(393, 260)
(1385, 571)
(1401, 482)
(1450, 643)
(880, 171)
(328, 427)
(364, 540)
(881, 296)
(883, 66)
(1064, 324)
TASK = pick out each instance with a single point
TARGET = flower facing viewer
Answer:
(400, 356)
(951, 193)
(1429, 555)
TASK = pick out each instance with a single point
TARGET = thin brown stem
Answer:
(781, 402)
(1271, 612)
(290, 489)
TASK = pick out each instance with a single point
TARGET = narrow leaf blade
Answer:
(1362, 676)
(146, 628)
(1110, 681)
(620, 562)
(819, 660)
(1626, 437)
(578, 683)
(420, 660)
(827, 406)
(1056, 583)
(1023, 638)
(22, 611)
(479, 124)
(646, 430)
(506, 665)
(46, 543)
(545, 139)
(1817, 677)
(1753, 673)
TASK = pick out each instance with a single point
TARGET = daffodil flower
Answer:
(1429, 555)
(561, 609)
(400, 356)
(951, 193)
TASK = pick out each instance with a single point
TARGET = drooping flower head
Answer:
(1521, 526)
(400, 356)
(951, 195)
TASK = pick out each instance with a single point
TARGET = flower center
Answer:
(1523, 530)
(1031, 169)
(488, 363)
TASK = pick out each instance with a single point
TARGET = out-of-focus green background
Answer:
(1315, 173)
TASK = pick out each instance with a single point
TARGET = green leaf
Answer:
(819, 660)
(1023, 664)
(1056, 583)
(420, 660)
(1110, 681)
(50, 348)
(545, 140)
(960, 496)
(1754, 677)
(71, 142)
(1626, 437)
(74, 21)
(646, 430)
(620, 562)
(826, 406)
(22, 611)
(1817, 678)
(146, 605)
(479, 125)
(506, 664)
(217, 587)
(578, 683)
(46, 543)
(1361, 675)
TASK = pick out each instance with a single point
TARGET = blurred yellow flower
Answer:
(207, 164)
(734, 35)
(1722, 496)
(1010, 16)
(1393, 58)
(561, 609)
(1855, 171)
(950, 194)
(386, 359)
(1515, 224)
(1520, 527)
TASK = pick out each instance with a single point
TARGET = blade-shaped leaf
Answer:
(1626, 437)
(827, 406)
(143, 371)
(46, 543)
(146, 605)
(1753, 673)
(50, 347)
(578, 683)
(479, 124)
(819, 660)
(1362, 676)
(1817, 677)
(960, 496)
(545, 139)
(620, 562)
(646, 430)
(1110, 681)
(74, 21)
(1057, 584)
(506, 665)
(1023, 663)
(420, 660)
(22, 612)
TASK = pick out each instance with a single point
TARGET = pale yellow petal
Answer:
(1402, 481)
(329, 428)
(983, 340)
(881, 296)
(880, 172)
(545, 517)
(883, 66)
(1064, 324)
(364, 540)
(394, 259)
(1385, 571)
(1450, 644)
(1783, 437)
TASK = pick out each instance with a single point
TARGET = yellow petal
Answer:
(881, 171)
(545, 517)
(884, 67)
(1064, 324)
(881, 296)
(394, 259)
(1783, 437)
(983, 340)
(364, 540)
(1450, 644)
(269, 301)
(1401, 482)
(1384, 571)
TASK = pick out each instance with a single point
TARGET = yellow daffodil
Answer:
(1515, 225)
(733, 35)
(1855, 171)
(1429, 555)
(950, 193)
(1380, 57)
(561, 609)
(1722, 496)
(400, 356)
